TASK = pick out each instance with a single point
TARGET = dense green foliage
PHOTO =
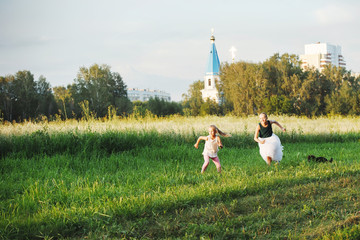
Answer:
(21, 97)
(276, 86)
(148, 185)
(95, 93)
(280, 86)
(193, 99)
(101, 88)
(157, 107)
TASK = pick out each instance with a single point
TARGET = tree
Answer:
(45, 98)
(62, 97)
(23, 98)
(156, 106)
(242, 85)
(346, 100)
(139, 109)
(192, 101)
(6, 97)
(160, 107)
(23, 89)
(278, 105)
(102, 88)
(209, 107)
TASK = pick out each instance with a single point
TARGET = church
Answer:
(212, 73)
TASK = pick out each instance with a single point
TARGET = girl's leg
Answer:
(206, 163)
(268, 160)
(216, 161)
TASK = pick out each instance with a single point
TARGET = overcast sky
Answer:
(164, 44)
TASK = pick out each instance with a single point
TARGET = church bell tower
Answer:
(212, 73)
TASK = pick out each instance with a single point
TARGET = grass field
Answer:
(141, 179)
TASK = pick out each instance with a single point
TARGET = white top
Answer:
(211, 147)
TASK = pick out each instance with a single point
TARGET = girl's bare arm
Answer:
(198, 141)
(256, 135)
(278, 124)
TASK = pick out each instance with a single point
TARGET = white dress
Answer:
(211, 147)
(272, 148)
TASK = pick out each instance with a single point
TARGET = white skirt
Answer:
(271, 148)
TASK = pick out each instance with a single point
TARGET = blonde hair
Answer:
(263, 114)
(220, 132)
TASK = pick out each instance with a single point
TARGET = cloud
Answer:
(336, 14)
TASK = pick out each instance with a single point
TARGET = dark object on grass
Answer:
(318, 159)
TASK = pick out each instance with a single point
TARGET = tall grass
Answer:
(89, 143)
(187, 125)
(93, 184)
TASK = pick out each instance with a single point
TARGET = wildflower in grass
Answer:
(269, 143)
(212, 144)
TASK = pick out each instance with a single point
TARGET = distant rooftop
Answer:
(144, 94)
(145, 90)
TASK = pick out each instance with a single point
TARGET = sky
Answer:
(164, 44)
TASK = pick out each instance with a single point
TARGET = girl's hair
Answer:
(264, 114)
(220, 132)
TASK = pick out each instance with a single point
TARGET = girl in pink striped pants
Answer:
(212, 144)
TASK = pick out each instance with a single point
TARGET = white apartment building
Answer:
(136, 94)
(318, 55)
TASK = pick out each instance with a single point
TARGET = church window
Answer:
(209, 82)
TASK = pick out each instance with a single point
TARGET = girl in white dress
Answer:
(269, 143)
(212, 145)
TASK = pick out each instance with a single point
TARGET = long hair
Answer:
(220, 132)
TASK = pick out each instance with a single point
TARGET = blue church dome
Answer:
(213, 66)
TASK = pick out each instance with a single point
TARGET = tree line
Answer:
(96, 92)
(278, 86)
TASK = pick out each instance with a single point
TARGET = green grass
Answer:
(148, 185)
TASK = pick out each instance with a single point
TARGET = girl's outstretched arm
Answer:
(198, 141)
(278, 124)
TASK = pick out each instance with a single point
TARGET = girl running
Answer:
(269, 144)
(212, 145)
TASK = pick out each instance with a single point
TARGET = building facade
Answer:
(212, 74)
(319, 55)
(136, 94)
